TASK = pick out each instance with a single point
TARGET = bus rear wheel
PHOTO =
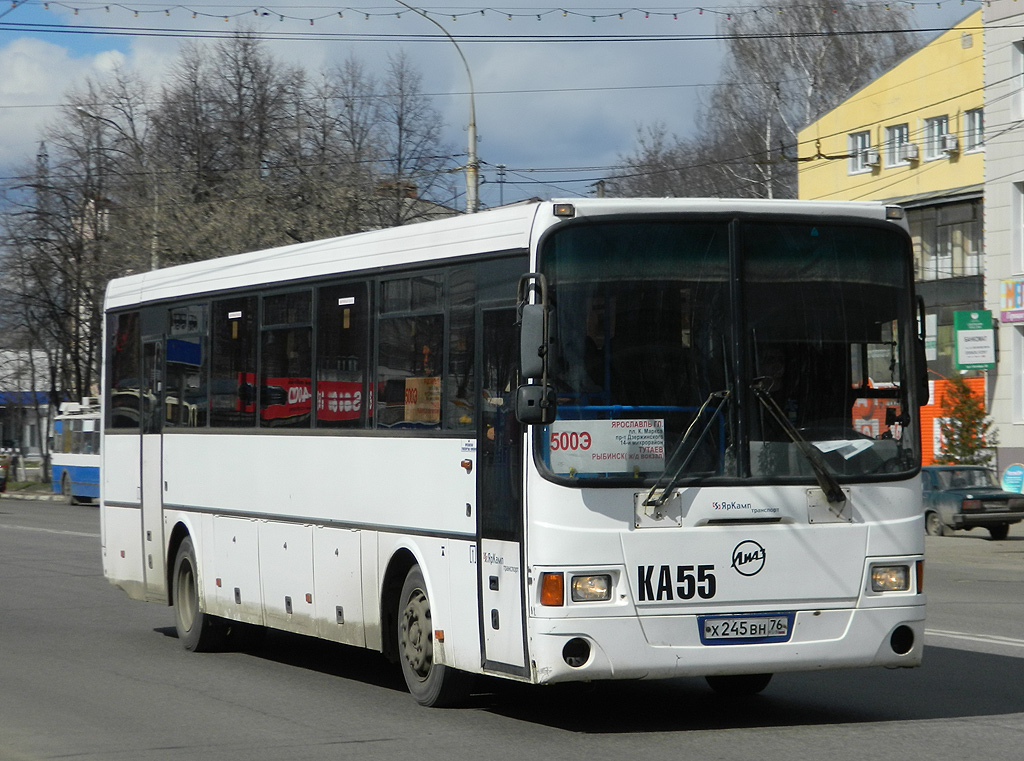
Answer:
(197, 630)
(430, 683)
(738, 685)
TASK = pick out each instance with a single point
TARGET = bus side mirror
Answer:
(536, 404)
(533, 344)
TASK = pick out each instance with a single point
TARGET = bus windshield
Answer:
(723, 349)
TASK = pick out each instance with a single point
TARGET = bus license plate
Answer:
(737, 629)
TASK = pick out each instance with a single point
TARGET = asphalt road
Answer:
(86, 673)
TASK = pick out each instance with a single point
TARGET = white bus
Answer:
(600, 439)
(75, 451)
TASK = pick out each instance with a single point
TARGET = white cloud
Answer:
(36, 75)
(603, 89)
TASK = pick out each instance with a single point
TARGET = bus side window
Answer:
(233, 363)
(341, 361)
(125, 372)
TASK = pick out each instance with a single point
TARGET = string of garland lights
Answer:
(227, 12)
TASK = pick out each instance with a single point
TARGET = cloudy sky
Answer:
(560, 89)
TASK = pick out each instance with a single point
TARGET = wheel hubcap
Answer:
(416, 635)
(186, 602)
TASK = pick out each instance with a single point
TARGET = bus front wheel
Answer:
(431, 684)
(198, 631)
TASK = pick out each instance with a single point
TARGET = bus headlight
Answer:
(890, 578)
(591, 588)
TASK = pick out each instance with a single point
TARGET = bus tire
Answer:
(738, 685)
(431, 684)
(198, 631)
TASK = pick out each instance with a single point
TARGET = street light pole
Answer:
(472, 165)
(154, 255)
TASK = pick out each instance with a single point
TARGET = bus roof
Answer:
(506, 229)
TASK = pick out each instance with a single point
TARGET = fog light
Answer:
(902, 640)
(890, 578)
(576, 652)
(590, 588)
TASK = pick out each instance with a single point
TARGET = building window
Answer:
(947, 240)
(974, 130)
(862, 158)
(897, 136)
(934, 130)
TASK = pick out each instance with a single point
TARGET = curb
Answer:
(34, 497)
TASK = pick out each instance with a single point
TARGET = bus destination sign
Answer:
(607, 446)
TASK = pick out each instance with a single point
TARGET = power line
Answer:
(490, 39)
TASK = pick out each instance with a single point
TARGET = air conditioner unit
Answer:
(872, 157)
(948, 144)
(908, 152)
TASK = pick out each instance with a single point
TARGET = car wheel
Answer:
(999, 532)
(933, 525)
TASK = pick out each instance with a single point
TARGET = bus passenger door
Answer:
(152, 415)
(499, 497)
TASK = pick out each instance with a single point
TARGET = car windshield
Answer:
(667, 366)
(961, 478)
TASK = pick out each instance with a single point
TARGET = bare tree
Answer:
(53, 276)
(784, 68)
(413, 159)
(235, 152)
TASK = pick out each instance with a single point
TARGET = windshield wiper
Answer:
(833, 491)
(662, 498)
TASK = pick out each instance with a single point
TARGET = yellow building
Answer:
(916, 129)
(915, 137)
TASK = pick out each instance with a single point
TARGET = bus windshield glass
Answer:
(696, 350)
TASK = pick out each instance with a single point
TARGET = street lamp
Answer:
(472, 165)
(154, 255)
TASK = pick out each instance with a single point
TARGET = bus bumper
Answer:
(662, 647)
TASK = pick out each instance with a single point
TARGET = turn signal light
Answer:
(552, 589)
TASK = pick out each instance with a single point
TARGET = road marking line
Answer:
(991, 639)
(50, 531)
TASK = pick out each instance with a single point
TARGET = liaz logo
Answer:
(748, 558)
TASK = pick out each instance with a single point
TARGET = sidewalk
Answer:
(31, 490)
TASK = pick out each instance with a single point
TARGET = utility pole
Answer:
(154, 253)
(472, 164)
